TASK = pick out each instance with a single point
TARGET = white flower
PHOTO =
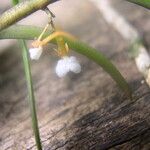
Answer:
(67, 64)
(35, 53)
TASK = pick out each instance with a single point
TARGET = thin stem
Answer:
(30, 89)
(22, 10)
(55, 35)
(43, 32)
(31, 93)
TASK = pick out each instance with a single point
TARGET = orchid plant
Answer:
(64, 42)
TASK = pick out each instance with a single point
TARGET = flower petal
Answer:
(75, 67)
(67, 64)
(35, 53)
(73, 59)
(61, 69)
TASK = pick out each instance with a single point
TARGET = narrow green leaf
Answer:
(22, 32)
(28, 32)
(31, 93)
(144, 3)
(27, 69)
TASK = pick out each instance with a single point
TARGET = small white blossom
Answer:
(67, 64)
(35, 53)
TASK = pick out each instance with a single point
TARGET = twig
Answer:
(22, 10)
(128, 32)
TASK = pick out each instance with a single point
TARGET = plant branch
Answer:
(22, 10)
(26, 8)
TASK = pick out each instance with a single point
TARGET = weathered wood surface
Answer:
(80, 112)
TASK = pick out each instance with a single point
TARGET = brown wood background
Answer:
(79, 112)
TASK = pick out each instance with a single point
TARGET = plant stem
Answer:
(25, 8)
(31, 93)
(22, 10)
(30, 88)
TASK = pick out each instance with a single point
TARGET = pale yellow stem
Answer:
(54, 35)
(45, 29)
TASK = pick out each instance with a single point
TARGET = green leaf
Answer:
(32, 104)
(31, 93)
(30, 32)
(144, 3)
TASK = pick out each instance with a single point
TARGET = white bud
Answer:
(35, 53)
(61, 68)
(67, 64)
(74, 65)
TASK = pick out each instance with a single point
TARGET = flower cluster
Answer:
(65, 64)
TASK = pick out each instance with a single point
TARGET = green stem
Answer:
(22, 10)
(30, 89)
(31, 93)
(144, 3)
(26, 8)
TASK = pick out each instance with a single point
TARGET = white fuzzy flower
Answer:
(67, 64)
(35, 53)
